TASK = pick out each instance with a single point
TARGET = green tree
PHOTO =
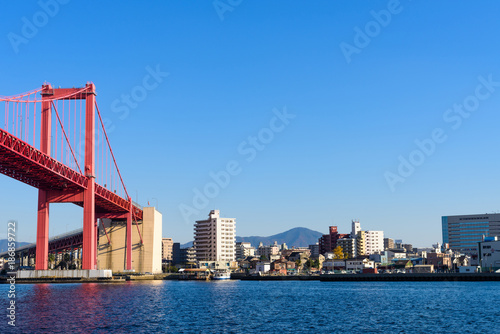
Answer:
(338, 253)
(52, 258)
(298, 265)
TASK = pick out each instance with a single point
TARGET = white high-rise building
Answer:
(214, 238)
(374, 242)
(356, 227)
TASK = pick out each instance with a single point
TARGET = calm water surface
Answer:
(256, 307)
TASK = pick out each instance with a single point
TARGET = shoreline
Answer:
(415, 277)
(380, 277)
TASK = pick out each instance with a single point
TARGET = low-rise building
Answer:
(244, 250)
(267, 251)
(331, 265)
(423, 268)
(282, 266)
(489, 254)
(468, 269)
(300, 255)
(403, 264)
(441, 261)
(263, 267)
(359, 264)
(218, 265)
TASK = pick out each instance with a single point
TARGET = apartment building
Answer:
(215, 237)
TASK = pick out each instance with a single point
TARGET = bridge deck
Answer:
(29, 165)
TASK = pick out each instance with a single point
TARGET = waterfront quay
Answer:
(412, 277)
(375, 277)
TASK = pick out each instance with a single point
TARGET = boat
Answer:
(221, 275)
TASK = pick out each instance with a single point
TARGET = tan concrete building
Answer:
(361, 243)
(146, 257)
(167, 249)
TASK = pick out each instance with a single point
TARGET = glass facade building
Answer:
(464, 232)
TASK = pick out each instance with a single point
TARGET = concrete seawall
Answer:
(278, 278)
(411, 277)
(376, 277)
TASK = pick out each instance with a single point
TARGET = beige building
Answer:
(167, 249)
(244, 249)
(214, 238)
(361, 243)
(146, 257)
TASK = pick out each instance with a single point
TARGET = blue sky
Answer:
(233, 66)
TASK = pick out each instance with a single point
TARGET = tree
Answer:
(52, 258)
(338, 253)
(312, 263)
(298, 265)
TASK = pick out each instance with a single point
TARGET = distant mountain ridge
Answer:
(5, 242)
(295, 237)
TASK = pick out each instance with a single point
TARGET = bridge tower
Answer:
(47, 196)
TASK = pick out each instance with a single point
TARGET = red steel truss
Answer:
(59, 183)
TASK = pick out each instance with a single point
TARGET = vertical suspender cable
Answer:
(56, 139)
(34, 123)
(74, 128)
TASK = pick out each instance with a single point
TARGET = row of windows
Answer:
(468, 224)
(455, 228)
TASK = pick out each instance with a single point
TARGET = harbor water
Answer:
(234, 306)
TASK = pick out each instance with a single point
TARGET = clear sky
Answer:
(307, 113)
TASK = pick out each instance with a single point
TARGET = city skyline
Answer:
(280, 115)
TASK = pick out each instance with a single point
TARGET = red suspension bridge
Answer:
(54, 139)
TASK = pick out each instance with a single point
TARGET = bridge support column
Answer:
(42, 232)
(129, 237)
(42, 229)
(89, 229)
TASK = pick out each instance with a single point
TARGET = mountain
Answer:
(298, 237)
(4, 245)
(187, 244)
